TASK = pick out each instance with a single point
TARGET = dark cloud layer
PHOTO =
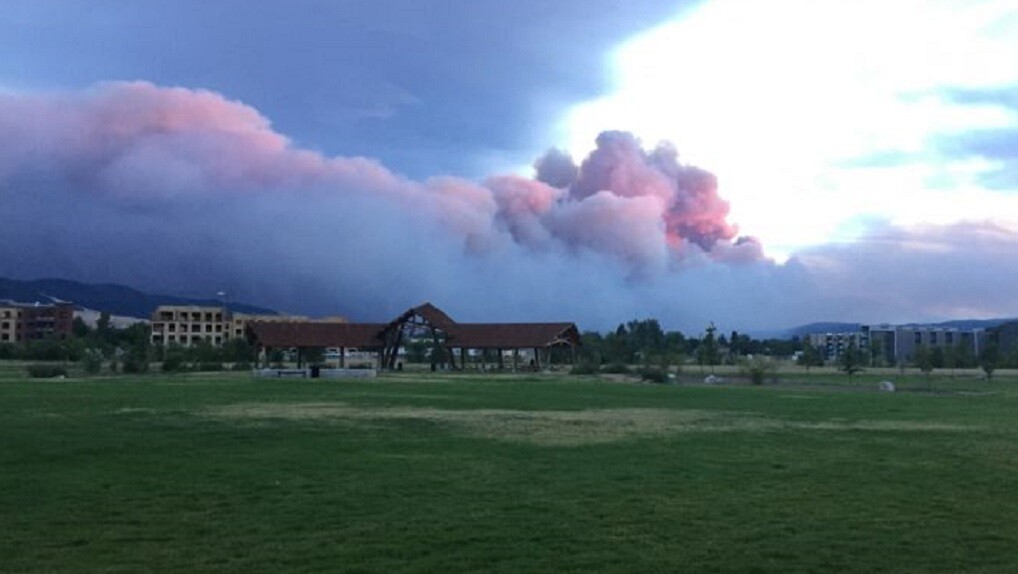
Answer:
(443, 86)
(185, 191)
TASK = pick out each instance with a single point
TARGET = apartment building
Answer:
(899, 343)
(832, 345)
(21, 322)
(188, 325)
(893, 344)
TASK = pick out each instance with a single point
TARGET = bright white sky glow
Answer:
(793, 103)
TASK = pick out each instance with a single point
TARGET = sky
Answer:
(756, 165)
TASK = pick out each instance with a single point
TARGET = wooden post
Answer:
(537, 359)
(501, 362)
(395, 349)
(436, 347)
(463, 358)
(342, 357)
(516, 360)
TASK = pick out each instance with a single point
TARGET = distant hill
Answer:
(822, 327)
(974, 323)
(834, 327)
(115, 299)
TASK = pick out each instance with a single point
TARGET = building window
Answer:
(172, 327)
(918, 338)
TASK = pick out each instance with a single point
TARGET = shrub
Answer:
(616, 368)
(135, 365)
(584, 368)
(173, 364)
(758, 369)
(46, 371)
(92, 362)
(654, 375)
(241, 366)
(210, 366)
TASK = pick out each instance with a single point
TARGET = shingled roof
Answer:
(511, 335)
(304, 334)
(284, 334)
(433, 315)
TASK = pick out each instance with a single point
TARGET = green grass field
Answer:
(485, 473)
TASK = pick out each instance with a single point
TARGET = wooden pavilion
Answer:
(303, 335)
(426, 321)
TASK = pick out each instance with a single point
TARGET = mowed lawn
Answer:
(425, 473)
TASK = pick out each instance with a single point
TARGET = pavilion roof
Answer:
(308, 334)
(511, 335)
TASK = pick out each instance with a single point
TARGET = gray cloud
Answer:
(184, 191)
(445, 86)
(181, 190)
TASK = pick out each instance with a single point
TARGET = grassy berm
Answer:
(484, 473)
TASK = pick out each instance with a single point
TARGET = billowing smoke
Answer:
(138, 144)
(183, 191)
(556, 168)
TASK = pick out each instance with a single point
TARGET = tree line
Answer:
(643, 340)
(925, 358)
(128, 350)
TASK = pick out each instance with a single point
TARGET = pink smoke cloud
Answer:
(628, 228)
(693, 212)
(141, 144)
(897, 274)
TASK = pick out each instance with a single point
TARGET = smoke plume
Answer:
(184, 191)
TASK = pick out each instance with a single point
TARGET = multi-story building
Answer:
(21, 322)
(191, 324)
(893, 344)
(899, 343)
(832, 345)
(1006, 336)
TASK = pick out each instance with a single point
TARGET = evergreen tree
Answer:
(851, 360)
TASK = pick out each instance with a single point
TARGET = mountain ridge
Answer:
(845, 327)
(113, 298)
